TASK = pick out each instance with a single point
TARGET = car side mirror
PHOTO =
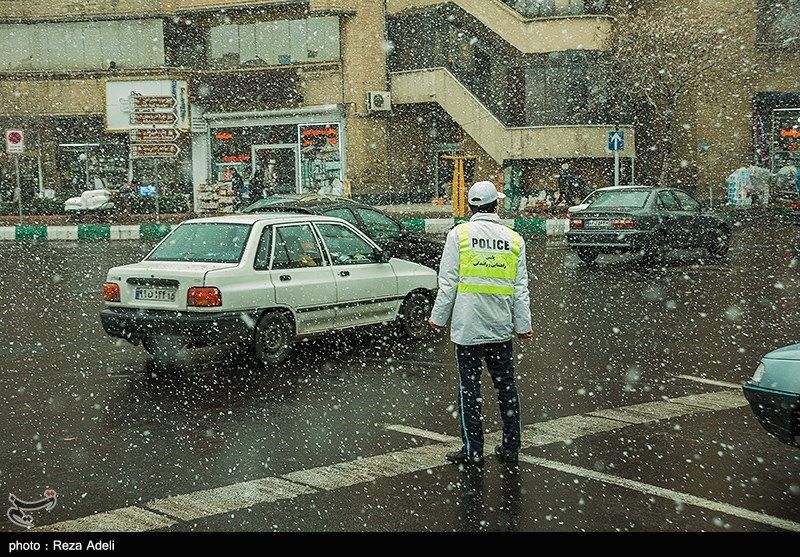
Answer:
(384, 256)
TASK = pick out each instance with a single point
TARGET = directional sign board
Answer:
(154, 150)
(139, 102)
(15, 142)
(154, 135)
(161, 103)
(153, 118)
(616, 140)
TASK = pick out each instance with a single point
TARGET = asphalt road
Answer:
(351, 433)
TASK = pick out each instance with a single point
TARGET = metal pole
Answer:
(19, 188)
(633, 170)
(616, 168)
(155, 180)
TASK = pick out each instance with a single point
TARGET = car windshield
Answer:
(621, 198)
(207, 242)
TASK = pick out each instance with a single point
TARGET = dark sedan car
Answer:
(648, 221)
(387, 232)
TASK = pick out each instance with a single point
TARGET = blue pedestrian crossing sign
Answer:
(616, 140)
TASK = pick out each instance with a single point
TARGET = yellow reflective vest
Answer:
(483, 282)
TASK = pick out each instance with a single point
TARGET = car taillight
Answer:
(624, 223)
(204, 297)
(111, 292)
(796, 205)
(575, 223)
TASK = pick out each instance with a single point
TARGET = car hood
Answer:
(791, 352)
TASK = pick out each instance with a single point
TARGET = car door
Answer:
(693, 230)
(303, 278)
(669, 214)
(366, 289)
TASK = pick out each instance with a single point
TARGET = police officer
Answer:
(483, 286)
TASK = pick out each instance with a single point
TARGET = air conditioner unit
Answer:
(379, 101)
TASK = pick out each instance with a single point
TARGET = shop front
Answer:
(286, 151)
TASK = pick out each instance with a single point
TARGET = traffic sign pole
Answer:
(616, 168)
(155, 181)
(19, 189)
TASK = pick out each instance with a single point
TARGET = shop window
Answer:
(82, 45)
(271, 43)
(779, 21)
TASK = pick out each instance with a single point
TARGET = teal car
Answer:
(774, 393)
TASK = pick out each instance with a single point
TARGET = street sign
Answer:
(616, 141)
(154, 135)
(154, 150)
(144, 101)
(15, 142)
(154, 118)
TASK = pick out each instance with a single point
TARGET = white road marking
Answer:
(369, 469)
(669, 494)
(228, 498)
(242, 495)
(722, 400)
(128, 519)
(425, 434)
(709, 381)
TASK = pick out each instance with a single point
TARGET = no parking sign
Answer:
(15, 142)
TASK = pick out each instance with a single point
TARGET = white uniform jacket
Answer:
(481, 318)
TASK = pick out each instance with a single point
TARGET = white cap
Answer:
(483, 193)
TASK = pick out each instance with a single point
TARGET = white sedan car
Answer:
(262, 281)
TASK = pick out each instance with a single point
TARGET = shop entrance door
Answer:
(278, 164)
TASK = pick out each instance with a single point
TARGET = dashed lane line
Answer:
(242, 495)
(128, 519)
(664, 493)
(709, 381)
(228, 498)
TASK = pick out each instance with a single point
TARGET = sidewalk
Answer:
(420, 217)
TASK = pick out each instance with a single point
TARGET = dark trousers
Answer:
(500, 362)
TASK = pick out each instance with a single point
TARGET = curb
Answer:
(86, 232)
(526, 227)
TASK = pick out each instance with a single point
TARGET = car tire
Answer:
(273, 338)
(722, 243)
(586, 255)
(165, 351)
(413, 317)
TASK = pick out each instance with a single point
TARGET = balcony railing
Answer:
(554, 8)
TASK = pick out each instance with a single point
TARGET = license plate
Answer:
(155, 294)
(597, 223)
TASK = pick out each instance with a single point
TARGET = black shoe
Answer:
(506, 455)
(460, 457)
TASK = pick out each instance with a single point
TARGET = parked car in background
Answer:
(588, 199)
(381, 228)
(262, 281)
(648, 221)
(774, 393)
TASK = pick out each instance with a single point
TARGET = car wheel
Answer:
(414, 313)
(273, 338)
(166, 351)
(587, 255)
(721, 244)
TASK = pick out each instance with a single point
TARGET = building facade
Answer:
(285, 86)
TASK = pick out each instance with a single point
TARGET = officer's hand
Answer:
(525, 336)
(433, 325)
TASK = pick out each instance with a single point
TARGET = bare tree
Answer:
(661, 58)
